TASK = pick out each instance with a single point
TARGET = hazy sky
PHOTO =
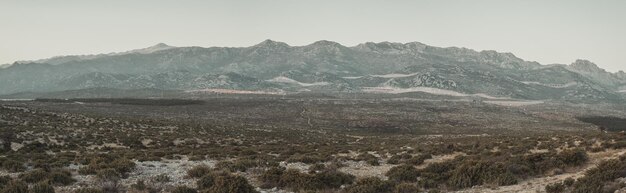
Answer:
(556, 31)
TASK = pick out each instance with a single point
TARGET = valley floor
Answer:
(307, 145)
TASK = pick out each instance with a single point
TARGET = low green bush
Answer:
(573, 157)
(34, 176)
(403, 173)
(60, 178)
(184, 189)
(206, 182)
(42, 187)
(101, 162)
(88, 190)
(369, 158)
(471, 173)
(406, 188)
(198, 171)
(555, 188)
(15, 186)
(370, 185)
(295, 180)
(231, 184)
(13, 166)
(419, 159)
(4, 180)
(596, 178)
(270, 178)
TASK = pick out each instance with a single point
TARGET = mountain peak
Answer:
(271, 43)
(389, 47)
(160, 45)
(325, 43)
(151, 49)
(585, 66)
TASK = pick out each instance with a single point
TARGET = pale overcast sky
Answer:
(557, 31)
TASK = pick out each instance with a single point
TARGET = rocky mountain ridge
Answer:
(320, 66)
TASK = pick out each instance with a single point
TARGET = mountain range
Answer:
(323, 66)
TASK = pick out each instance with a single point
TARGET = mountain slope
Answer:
(320, 66)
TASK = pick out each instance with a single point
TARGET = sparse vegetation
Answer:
(184, 189)
(199, 171)
(15, 186)
(88, 190)
(403, 173)
(370, 185)
(231, 183)
(262, 137)
(42, 187)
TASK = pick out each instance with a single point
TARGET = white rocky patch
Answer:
(16, 146)
(569, 84)
(352, 77)
(176, 170)
(231, 91)
(435, 91)
(511, 103)
(282, 79)
(394, 75)
(17, 99)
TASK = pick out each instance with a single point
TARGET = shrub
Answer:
(417, 160)
(13, 166)
(370, 185)
(123, 166)
(595, 178)
(296, 180)
(403, 173)
(88, 190)
(184, 189)
(333, 179)
(100, 162)
(34, 176)
(472, 173)
(574, 157)
(108, 175)
(239, 165)
(109, 180)
(316, 168)
(406, 188)
(505, 179)
(270, 178)
(57, 177)
(373, 162)
(555, 188)
(15, 186)
(293, 179)
(231, 183)
(42, 187)
(369, 158)
(139, 185)
(396, 159)
(569, 181)
(307, 159)
(4, 180)
(161, 178)
(206, 182)
(61, 178)
(198, 171)
(436, 173)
